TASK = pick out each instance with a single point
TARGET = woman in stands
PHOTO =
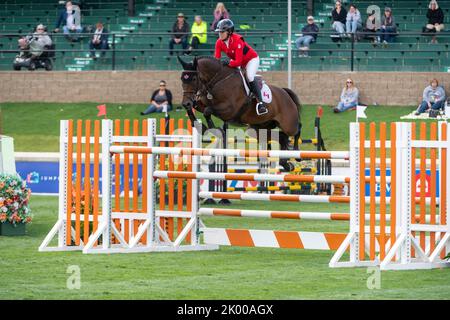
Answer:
(161, 100)
(435, 17)
(241, 55)
(349, 97)
(220, 13)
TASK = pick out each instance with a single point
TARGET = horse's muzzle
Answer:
(188, 104)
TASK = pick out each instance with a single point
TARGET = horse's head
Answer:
(190, 83)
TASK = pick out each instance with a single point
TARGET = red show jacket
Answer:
(238, 51)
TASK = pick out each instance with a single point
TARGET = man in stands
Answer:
(99, 41)
(37, 42)
(309, 35)
(70, 18)
(180, 32)
(435, 17)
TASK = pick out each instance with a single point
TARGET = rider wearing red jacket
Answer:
(241, 55)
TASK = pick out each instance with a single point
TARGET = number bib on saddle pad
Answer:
(266, 93)
(265, 90)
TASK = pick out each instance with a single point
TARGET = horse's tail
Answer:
(294, 98)
(297, 102)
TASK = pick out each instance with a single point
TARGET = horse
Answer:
(214, 89)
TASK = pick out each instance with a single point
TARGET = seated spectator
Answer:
(199, 33)
(180, 32)
(308, 36)
(349, 97)
(388, 27)
(353, 20)
(220, 13)
(435, 17)
(338, 18)
(433, 98)
(372, 26)
(99, 41)
(70, 19)
(161, 100)
(36, 44)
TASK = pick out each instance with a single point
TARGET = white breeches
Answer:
(252, 68)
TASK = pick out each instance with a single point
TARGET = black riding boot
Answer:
(260, 106)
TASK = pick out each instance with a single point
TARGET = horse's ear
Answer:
(184, 63)
(195, 63)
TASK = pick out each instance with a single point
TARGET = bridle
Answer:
(205, 89)
(194, 95)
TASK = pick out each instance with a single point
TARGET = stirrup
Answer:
(264, 111)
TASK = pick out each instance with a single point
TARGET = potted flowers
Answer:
(14, 210)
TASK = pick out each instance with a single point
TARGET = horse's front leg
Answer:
(207, 114)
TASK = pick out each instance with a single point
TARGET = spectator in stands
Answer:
(70, 19)
(372, 26)
(37, 42)
(220, 13)
(308, 36)
(433, 97)
(180, 32)
(349, 97)
(353, 21)
(161, 100)
(388, 27)
(339, 17)
(199, 33)
(99, 41)
(435, 17)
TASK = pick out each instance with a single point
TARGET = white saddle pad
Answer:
(265, 90)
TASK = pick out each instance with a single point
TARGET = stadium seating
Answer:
(263, 23)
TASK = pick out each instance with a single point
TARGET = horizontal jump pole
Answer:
(272, 170)
(258, 177)
(295, 215)
(270, 188)
(253, 140)
(282, 154)
(274, 214)
(274, 197)
(251, 177)
(291, 197)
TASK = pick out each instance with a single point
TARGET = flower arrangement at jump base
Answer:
(14, 210)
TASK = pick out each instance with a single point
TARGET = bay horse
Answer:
(215, 89)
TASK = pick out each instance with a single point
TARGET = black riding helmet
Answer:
(225, 25)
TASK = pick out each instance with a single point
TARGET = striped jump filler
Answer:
(274, 239)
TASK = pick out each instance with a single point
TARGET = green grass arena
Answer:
(228, 273)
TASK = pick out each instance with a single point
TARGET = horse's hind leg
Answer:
(284, 145)
(297, 139)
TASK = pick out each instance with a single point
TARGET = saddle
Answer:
(265, 89)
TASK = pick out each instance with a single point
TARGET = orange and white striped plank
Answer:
(284, 154)
(274, 197)
(252, 177)
(298, 215)
(273, 239)
(287, 197)
(274, 214)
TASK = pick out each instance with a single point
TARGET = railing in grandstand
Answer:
(349, 53)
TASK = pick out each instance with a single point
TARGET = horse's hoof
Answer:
(287, 166)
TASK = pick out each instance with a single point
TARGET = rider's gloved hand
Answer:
(225, 63)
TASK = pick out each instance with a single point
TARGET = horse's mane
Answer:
(212, 58)
(206, 57)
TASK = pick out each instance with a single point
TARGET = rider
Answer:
(241, 54)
